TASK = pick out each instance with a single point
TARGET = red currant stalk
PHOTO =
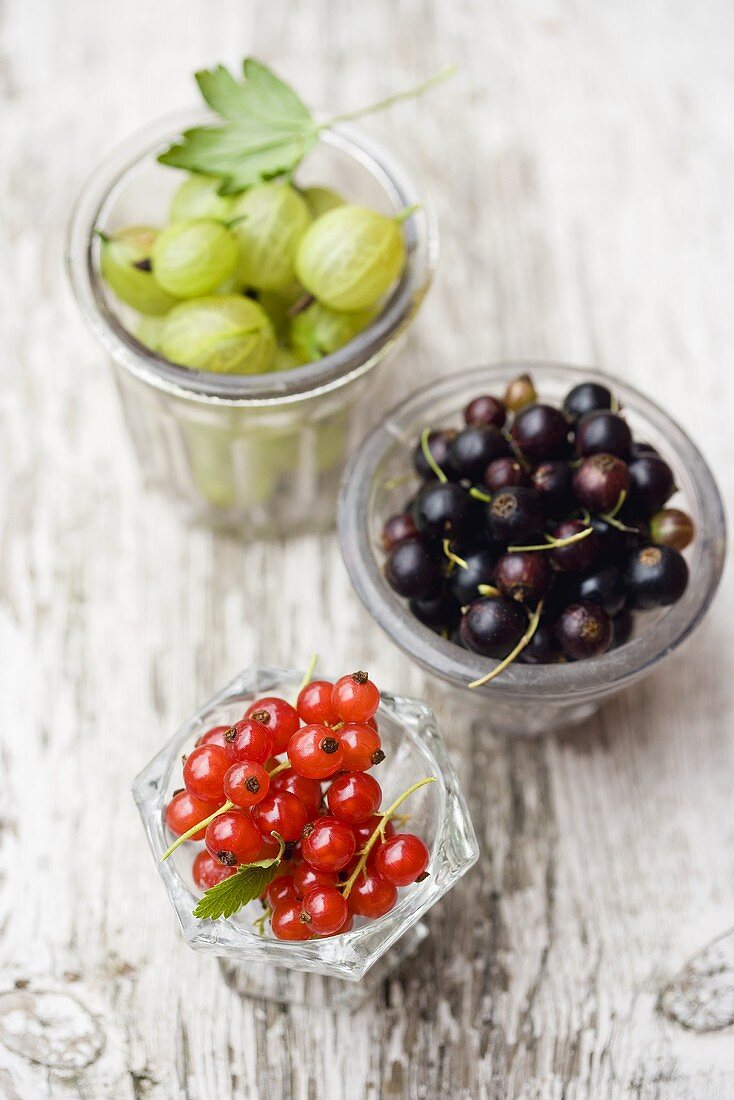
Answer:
(190, 832)
(379, 832)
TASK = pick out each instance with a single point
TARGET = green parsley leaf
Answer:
(229, 896)
(267, 129)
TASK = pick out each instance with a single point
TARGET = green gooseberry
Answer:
(198, 197)
(193, 258)
(269, 221)
(230, 334)
(126, 267)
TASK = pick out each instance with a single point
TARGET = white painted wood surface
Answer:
(583, 168)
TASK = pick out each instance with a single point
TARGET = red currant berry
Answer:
(327, 844)
(365, 829)
(233, 838)
(286, 922)
(308, 790)
(246, 784)
(361, 746)
(314, 703)
(346, 927)
(281, 812)
(324, 910)
(355, 697)
(305, 878)
(354, 797)
(184, 811)
(203, 773)
(214, 736)
(269, 847)
(280, 718)
(207, 872)
(372, 896)
(315, 752)
(249, 740)
(279, 890)
(402, 859)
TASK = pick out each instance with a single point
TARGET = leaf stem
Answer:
(429, 457)
(526, 638)
(380, 832)
(382, 104)
(194, 829)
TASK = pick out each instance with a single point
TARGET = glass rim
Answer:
(331, 372)
(563, 682)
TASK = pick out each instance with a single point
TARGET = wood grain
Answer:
(582, 167)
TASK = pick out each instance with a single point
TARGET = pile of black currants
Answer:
(538, 532)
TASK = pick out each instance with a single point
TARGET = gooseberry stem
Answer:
(451, 555)
(407, 212)
(380, 832)
(526, 638)
(382, 104)
(195, 829)
(429, 457)
(552, 543)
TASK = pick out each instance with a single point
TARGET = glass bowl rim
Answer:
(324, 953)
(333, 371)
(570, 682)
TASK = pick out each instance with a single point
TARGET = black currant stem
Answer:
(451, 555)
(526, 638)
(411, 93)
(280, 768)
(610, 515)
(552, 543)
(479, 495)
(310, 669)
(396, 482)
(380, 832)
(429, 457)
(488, 590)
(194, 829)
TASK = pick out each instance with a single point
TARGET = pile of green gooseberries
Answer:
(266, 280)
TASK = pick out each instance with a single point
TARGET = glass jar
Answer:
(524, 699)
(260, 454)
(343, 970)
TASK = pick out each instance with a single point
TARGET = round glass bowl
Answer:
(319, 971)
(524, 699)
(262, 454)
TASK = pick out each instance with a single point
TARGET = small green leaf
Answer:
(267, 129)
(229, 896)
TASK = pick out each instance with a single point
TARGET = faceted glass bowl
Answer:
(414, 749)
(524, 699)
(259, 454)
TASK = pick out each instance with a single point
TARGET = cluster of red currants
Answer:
(342, 857)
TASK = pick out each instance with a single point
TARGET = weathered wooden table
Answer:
(583, 170)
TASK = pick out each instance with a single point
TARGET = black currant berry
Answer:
(575, 556)
(584, 630)
(637, 450)
(520, 393)
(473, 449)
(438, 445)
(442, 510)
(652, 484)
(671, 527)
(553, 482)
(614, 544)
(485, 410)
(515, 514)
(603, 432)
(503, 472)
(524, 576)
(541, 431)
(656, 576)
(413, 570)
(397, 529)
(604, 586)
(440, 612)
(585, 398)
(493, 626)
(542, 649)
(622, 627)
(464, 581)
(600, 481)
